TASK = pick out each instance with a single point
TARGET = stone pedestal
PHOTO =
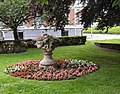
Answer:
(47, 44)
(47, 60)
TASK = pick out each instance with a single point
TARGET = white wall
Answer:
(35, 33)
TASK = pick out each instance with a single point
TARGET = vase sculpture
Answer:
(47, 44)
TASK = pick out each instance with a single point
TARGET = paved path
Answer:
(101, 36)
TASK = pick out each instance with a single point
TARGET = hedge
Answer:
(12, 46)
(64, 41)
(74, 40)
(30, 43)
(17, 46)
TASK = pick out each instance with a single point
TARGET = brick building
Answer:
(73, 18)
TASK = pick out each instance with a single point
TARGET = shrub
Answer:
(74, 40)
(64, 41)
(30, 43)
(12, 46)
(17, 46)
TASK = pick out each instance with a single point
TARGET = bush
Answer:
(74, 40)
(12, 46)
(30, 43)
(64, 41)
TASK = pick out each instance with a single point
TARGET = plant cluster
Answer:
(73, 40)
(12, 46)
(64, 41)
(30, 43)
(13, 13)
(101, 11)
(62, 70)
(53, 12)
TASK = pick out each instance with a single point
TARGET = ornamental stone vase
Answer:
(47, 44)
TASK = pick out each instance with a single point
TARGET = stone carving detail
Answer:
(47, 44)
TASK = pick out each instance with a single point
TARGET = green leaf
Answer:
(119, 3)
(114, 3)
(38, 2)
(41, 2)
(1, 0)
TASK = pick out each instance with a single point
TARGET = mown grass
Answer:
(113, 41)
(104, 81)
(113, 30)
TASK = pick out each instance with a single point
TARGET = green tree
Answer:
(1, 0)
(13, 13)
(54, 12)
(101, 11)
(115, 3)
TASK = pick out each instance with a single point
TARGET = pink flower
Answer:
(28, 76)
(79, 74)
(14, 74)
(43, 77)
(63, 69)
(37, 68)
(41, 67)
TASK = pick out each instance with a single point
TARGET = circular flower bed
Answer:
(63, 69)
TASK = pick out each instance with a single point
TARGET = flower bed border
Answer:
(64, 69)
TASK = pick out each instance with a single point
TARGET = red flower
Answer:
(41, 67)
(63, 69)
(14, 74)
(28, 76)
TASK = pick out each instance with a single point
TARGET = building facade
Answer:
(26, 32)
(73, 17)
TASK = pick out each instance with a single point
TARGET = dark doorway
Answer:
(20, 35)
(64, 33)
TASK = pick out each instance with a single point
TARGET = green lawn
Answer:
(114, 41)
(104, 81)
(113, 30)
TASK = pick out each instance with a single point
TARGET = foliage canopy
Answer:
(101, 11)
(13, 13)
(53, 12)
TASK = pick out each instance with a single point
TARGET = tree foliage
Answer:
(1, 0)
(101, 11)
(54, 12)
(13, 13)
(115, 3)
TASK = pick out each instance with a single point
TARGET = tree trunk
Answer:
(15, 33)
(106, 29)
